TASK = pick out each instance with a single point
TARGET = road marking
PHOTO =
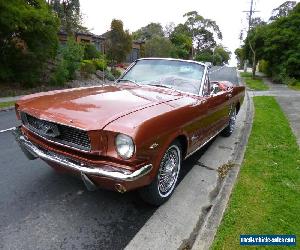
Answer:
(5, 130)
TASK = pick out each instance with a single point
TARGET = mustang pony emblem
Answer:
(50, 130)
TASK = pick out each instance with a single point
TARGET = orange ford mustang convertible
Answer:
(133, 134)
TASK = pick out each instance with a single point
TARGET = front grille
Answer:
(55, 132)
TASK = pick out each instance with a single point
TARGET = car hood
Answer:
(93, 108)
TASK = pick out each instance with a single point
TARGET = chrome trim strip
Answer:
(122, 175)
(207, 141)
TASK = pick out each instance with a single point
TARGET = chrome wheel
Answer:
(169, 170)
(232, 120)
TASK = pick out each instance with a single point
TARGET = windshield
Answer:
(178, 75)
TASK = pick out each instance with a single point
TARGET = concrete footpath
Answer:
(289, 101)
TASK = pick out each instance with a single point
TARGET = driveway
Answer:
(42, 209)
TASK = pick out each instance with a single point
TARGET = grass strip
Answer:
(6, 104)
(265, 199)
(295, 87)
(256, 83)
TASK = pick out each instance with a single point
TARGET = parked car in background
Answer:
(133, 134)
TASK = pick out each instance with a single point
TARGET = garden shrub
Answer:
(72, 54)
(87, 67)
(116, 73)
(264, 67)
(60, 74)
(100, 64)
(109, 75)
(90, 52)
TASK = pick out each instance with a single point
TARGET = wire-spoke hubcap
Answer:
(232, 121)
(168, 172)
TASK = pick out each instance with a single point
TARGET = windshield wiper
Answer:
(128, 80)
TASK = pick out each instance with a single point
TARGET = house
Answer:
(100, 41)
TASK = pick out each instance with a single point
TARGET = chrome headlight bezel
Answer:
(125, 146)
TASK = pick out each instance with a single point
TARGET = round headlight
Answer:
(124, 146)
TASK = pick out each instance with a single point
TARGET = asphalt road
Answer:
(223, 73)
(40, 209)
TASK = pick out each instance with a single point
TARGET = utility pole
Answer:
(251, 11)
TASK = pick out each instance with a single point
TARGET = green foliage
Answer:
(90, 51)
(218, 56)
(263, 66)
(72, 54)
(116, 73)
(159, 47)
(203, 30)
(109, 75)
(278, 43)
(205, 56)
(221, 56)
(28, 39)
(87, 67)
(148, 32)
(183, 44)
(119, 42)
(100, 64)
(295, 85)
(240, 56)
(283, 10)
(68, 11)
(61, 74)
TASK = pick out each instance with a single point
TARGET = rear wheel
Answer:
(162, 187)
(231, 125)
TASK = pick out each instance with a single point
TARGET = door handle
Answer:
(229, 95)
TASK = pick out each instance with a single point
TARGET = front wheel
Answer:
(162, 187)
(231, 125)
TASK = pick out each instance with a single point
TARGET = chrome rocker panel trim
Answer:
(33, 152)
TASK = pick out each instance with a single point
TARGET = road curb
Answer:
(7, 108)
(214, 217)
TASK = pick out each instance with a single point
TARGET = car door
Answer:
(212, 116)
(219, 107)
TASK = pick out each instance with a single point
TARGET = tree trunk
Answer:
(253, 59)
(253, 64)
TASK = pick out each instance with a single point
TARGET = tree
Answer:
(183, 45)
(69, 14)
(119, 42)
(221, 55)
(283, 10)
(182, 40)
(217, 56)
(282, 45)
(254, 41)
(159, 47)
(148, 32)
(204, 56)
(204, 31)
(278, 43)
(168, 29)
(28, 39)
(254, 44)
(240, 57)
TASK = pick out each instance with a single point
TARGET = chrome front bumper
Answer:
(33, 152)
